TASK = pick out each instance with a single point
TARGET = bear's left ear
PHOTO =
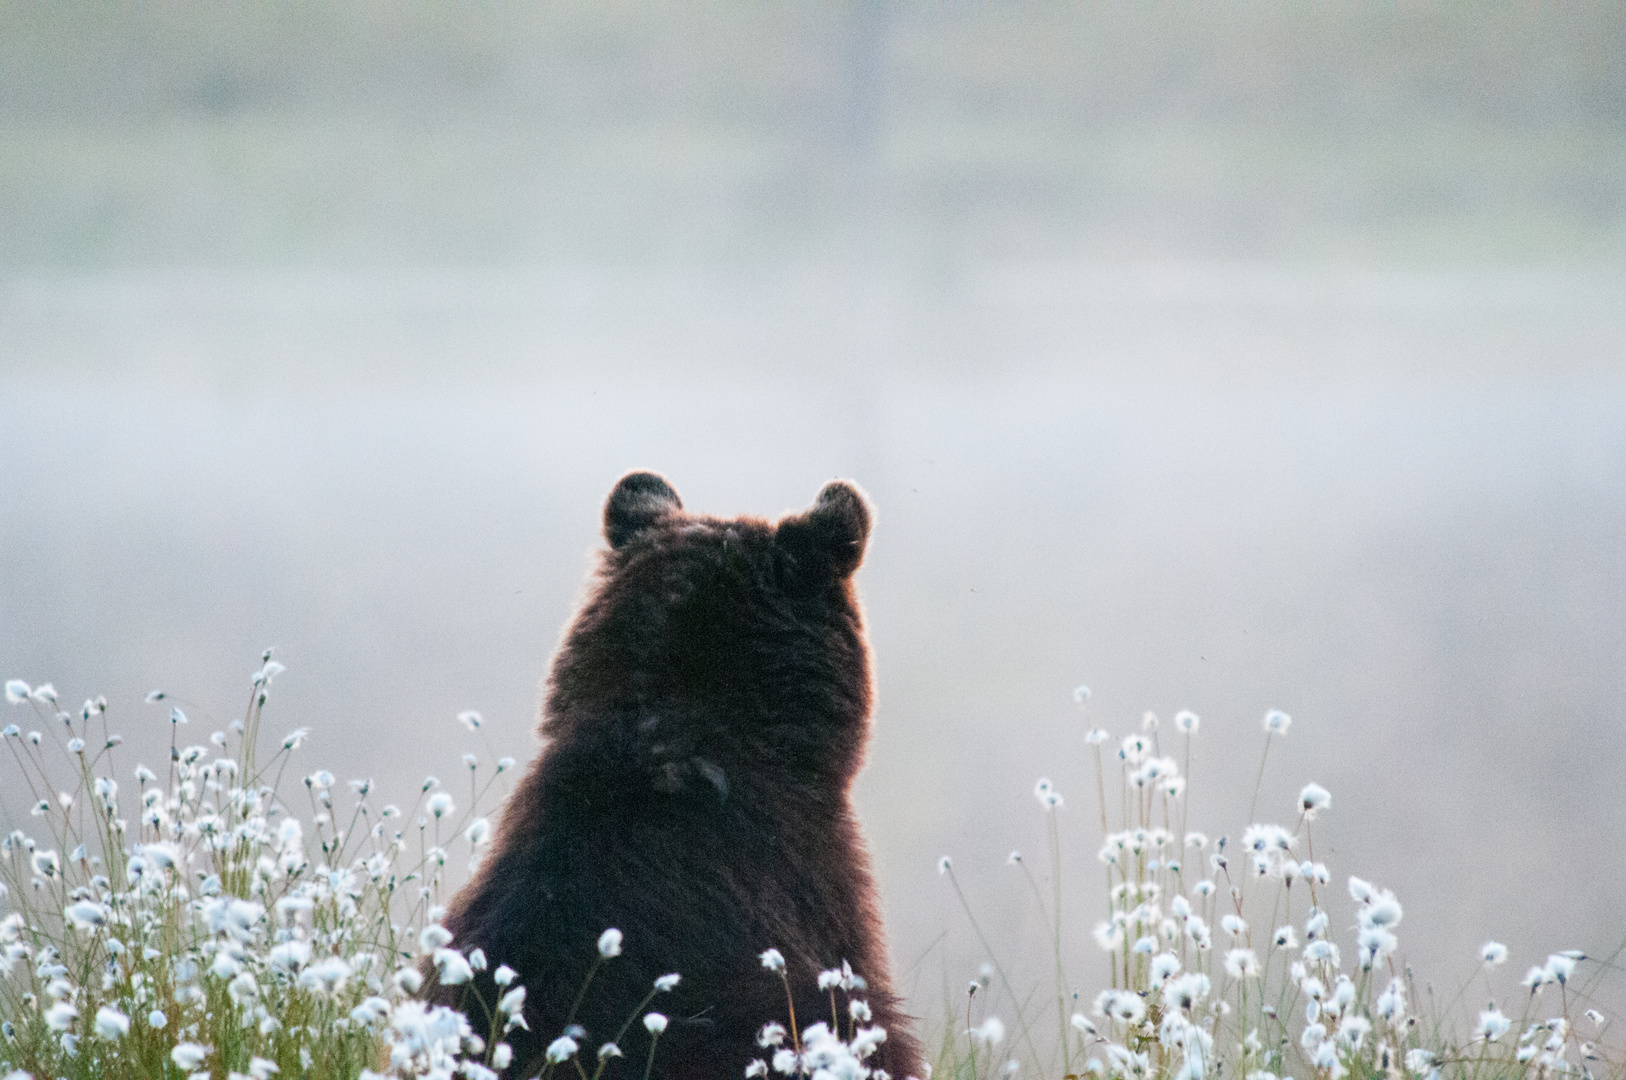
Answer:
(829, 538)
(639, 500)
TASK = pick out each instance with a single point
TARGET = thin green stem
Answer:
(649, 1062)
(1259, 780)
(1004, 980)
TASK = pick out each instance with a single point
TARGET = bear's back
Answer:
(704, 718)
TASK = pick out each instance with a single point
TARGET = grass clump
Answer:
(203, 921)
(1225, 958)
(194, 924)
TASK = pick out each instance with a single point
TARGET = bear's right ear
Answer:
(828, 540)
(639, 500)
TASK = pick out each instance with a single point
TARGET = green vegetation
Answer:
(372, 134)
(218, 934)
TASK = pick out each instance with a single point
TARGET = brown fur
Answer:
(704, 718)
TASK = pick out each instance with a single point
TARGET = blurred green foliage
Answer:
(387, 133)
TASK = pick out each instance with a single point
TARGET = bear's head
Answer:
(708, 646)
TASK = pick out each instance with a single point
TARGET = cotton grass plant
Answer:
(221, 917)
(1245, 957)
(233, 919)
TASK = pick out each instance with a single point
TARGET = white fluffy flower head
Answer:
(1313, 799)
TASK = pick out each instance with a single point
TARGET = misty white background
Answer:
(1220, 358)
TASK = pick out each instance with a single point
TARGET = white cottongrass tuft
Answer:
(452, 968)
(86, 915)
(609, 943)
(47, 864)
(1492, 1025)
(188, 1056)
(1381, 910)
(1242, 964)
(61, 1015)
(1123, 1006)
(111, 1024)
(1559, 967)
(990, 1032)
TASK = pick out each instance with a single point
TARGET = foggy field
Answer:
(1422, 566)
(373, 134)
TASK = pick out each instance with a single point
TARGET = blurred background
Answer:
(1221, 356)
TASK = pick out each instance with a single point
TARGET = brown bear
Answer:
(702, 723)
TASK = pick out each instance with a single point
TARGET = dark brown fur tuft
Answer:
(704, 718)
